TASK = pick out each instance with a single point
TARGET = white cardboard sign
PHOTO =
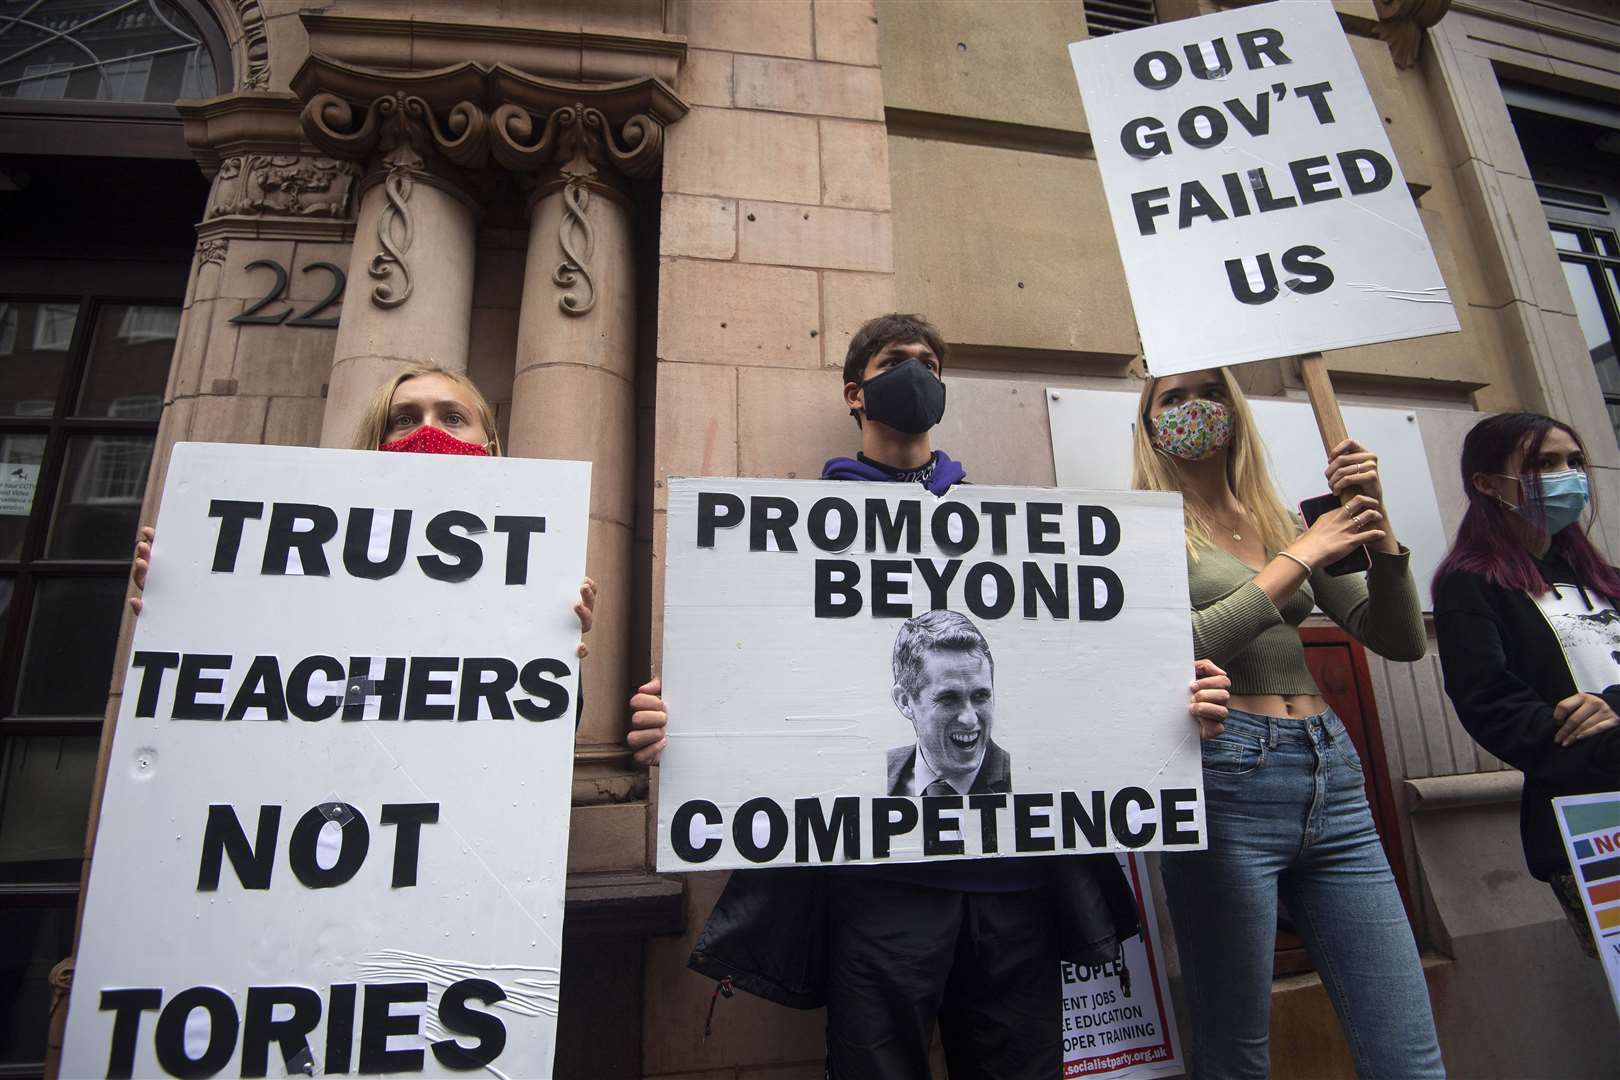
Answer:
(868, 673)
(336, 816)
(1118, 1027)
(1259, 208)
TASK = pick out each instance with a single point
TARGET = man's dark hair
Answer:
(891, 329)
(934, 631)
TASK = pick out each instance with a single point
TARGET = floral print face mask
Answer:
(1194, 429)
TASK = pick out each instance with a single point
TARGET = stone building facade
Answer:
(647, 229)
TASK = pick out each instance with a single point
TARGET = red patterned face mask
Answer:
(430, 440)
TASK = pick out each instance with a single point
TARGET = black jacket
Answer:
(768, 931)
(1504, 672)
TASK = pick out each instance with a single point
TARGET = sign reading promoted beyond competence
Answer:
(1259, 209)
(867, 673)
(336, 812)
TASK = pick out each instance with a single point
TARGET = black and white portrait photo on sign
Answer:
(888, 676)
(944, 683)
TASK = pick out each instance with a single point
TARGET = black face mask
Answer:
(907, 397)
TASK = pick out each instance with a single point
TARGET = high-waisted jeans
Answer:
(1287, 815)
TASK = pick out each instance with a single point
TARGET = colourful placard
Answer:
(1591, 828)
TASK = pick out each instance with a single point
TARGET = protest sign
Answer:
(1259, 209)
(336, 810)
(1590, 825)
(839, 651)
(1115, 1026)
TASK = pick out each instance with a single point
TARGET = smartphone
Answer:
(1354, 563)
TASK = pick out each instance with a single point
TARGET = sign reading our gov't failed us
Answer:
(1259, 209)
(336, 813)
(867, 673)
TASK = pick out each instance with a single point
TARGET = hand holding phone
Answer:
(1336, 536)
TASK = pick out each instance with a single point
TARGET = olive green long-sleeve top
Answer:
(1236, 625)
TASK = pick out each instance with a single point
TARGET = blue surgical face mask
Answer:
(1563, 498)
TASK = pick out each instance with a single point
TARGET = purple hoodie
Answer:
(945, 475)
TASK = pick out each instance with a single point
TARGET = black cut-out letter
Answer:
(169, 1040)
(260, 1028)
(126, 1007)
(357, 544)
(309, 543)
(231, 514)
(485, 1027)
(223, 836)
(716, 510)
(680, 831)
(409, 817)
(378, 1021)
(355, 841)
(464, 549)
(539, 680)
(742, 830)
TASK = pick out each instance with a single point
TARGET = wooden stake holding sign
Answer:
(1324, 403)
(1330, 426)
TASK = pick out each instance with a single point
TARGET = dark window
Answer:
(99, 78)
(81, 390)
(104, 50)
(1117, 16)
(1591, 261)
(1573, 148)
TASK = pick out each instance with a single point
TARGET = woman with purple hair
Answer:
(1525, 611)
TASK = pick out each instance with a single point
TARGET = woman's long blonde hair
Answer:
(1246, 472)
(374, 422)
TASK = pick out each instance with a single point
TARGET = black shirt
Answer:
(1505, 669)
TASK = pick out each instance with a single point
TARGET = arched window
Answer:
(112, 66)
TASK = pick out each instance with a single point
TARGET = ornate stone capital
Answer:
(407, 128)
(582, 129)
(413, 127)
(1401, 24)
(388, 119)
(581, 138)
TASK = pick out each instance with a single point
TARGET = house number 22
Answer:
(278, 292)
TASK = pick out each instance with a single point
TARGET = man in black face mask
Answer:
(891, 950)
(894, 387)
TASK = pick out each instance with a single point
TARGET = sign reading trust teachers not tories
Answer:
(868, 673)
(336, 811)
(1259, 209)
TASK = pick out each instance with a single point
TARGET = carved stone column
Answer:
(573, 394)
(411, 271)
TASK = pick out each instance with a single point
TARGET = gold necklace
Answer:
(1229, 527)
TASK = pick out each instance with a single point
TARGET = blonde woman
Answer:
(1287, 812)
(424, 410)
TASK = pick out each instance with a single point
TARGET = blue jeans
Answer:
(1287, 815)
